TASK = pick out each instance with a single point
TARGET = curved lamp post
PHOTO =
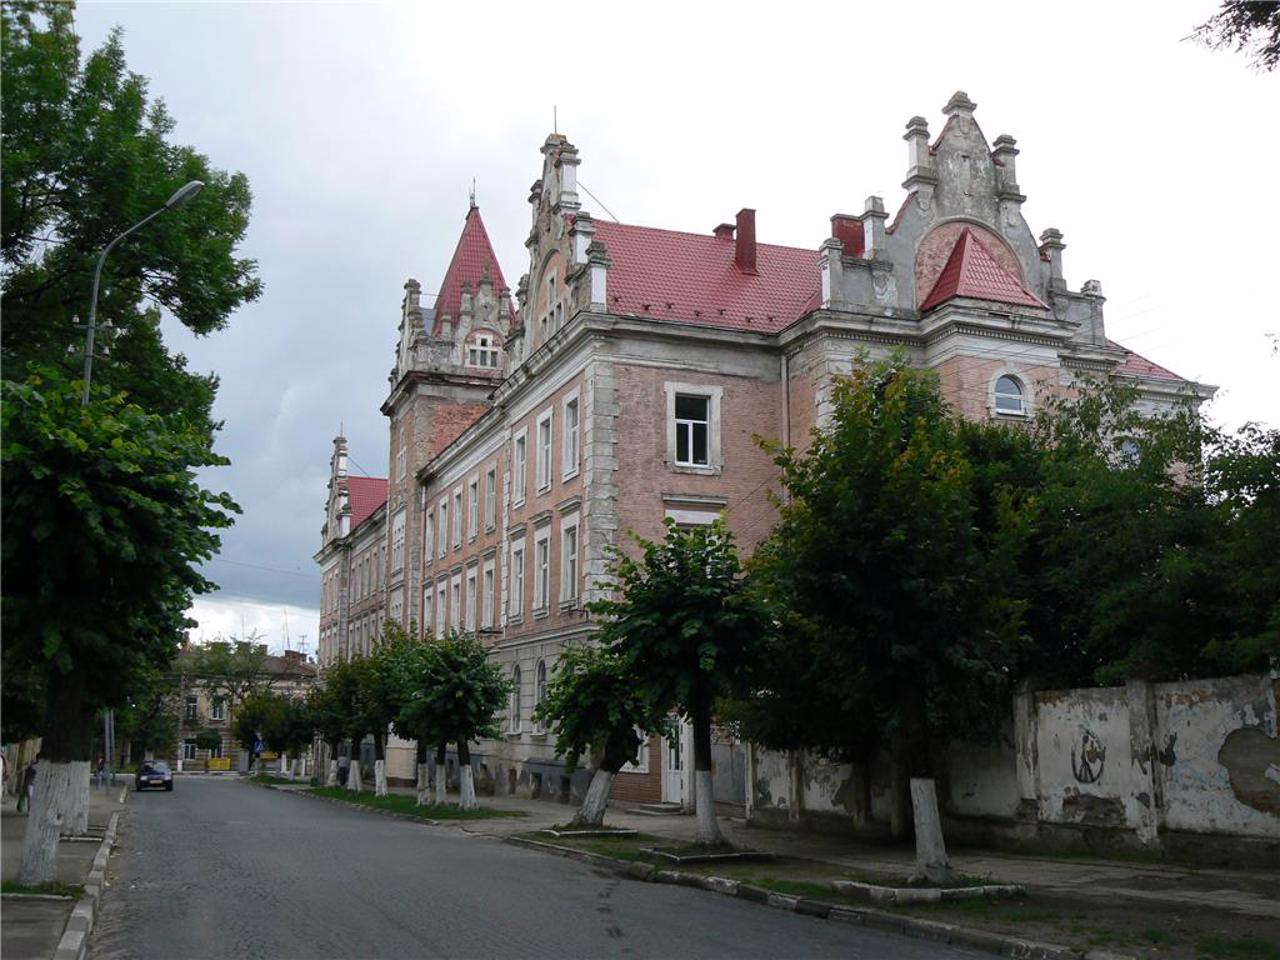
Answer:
(180, 196)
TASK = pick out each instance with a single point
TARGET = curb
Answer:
(75, 936)
(874, 919)
(393, 814)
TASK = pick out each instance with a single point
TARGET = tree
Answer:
(328, 709)
(422, 712)
(594, 707)
(888, 559)
(1252, 25)
(85, 155)
(251, 720)
(208, 739)
(229, 670)
(287, 727)
(380, 694)
(687, 628)
(101, 569)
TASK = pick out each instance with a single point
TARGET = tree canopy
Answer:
(1245, 25)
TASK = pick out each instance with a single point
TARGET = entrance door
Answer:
(672, 768)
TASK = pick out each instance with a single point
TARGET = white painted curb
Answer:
(75, 936)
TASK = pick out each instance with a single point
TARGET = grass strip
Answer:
(402, 803)
(54, 888)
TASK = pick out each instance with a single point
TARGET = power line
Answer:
(599, 201)
(258, 566)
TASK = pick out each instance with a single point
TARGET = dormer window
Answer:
(484, 351)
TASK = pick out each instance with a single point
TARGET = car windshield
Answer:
(157, 766)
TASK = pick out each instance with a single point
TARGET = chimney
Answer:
(848, 230)
(1005, 154)
(1051, 247)
(873, 230)
(744, 251)
(724, 231)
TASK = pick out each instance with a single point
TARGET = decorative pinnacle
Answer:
(960, 103)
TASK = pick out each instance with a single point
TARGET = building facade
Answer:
(626, 381)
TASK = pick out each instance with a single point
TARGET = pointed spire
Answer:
(971, 271)
(473, 258)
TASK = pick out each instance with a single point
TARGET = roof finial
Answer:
(473, 193)
(555, 119)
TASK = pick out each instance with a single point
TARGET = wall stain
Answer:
(1167, 756)
(1252, 760)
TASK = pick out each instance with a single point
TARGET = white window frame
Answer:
(570, 566)
(396, 609)
(542, 454)
(483, 350)
(473, 506)
(402, 462)
(643, 765)
(515, 595)
(443, 528)
(442, 607)
(457, 517)
(520, 467)
(188, 749)
(514, 720)
(473, 586)
(491, 497)
(539, 694)
(397, 541)
(218, 709)
(428, 628)
(487, 579)
(571, 435)
(429, 536)
(542, 570)
(1023, 397)
(714, 396)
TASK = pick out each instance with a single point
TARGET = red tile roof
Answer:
(691, 278)
(1136, 365)
(365, 495)
(473, 253)
(972, 272)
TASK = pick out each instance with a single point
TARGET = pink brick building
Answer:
(625, 383)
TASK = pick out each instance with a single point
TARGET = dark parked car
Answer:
(154, 773)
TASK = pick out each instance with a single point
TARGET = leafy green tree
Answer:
(86, 153)
(101, 571)
(251, 719)
(288, 726)
(1245, 25)
(328, 709)
(888, 558)
(229, 670)
(208, 739)
(687, 627)
(380, 694)
(422, 715)
(594, 707)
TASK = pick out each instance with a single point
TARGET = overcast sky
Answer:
(361, 126)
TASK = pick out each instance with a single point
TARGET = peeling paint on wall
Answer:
(1252, 760)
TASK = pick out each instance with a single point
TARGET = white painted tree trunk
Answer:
(332, 779)
(468, 799)
(353, 777)
(591, 813)
(424, 786)
(380, 778)
(442, 783)
(932, 865)
(77, 819)
(705, 809)
(51, 799)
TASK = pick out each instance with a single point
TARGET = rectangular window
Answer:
(442, 599)
(471, 599)
(515, 604)
(192, 707)
(569, 560)
(491, 498)
(188, 749)
(429, 537)
(219, 709)
(455, 603)
(486, 609)
(402, 462)
(216, 752)
(397, 608)
(519, 468)
(569, 448)
(692, 430)
(444, 525)
(473, 506)
(426, 610)
(397, 541)
(544, 451)
(542, 571)
(457, 517)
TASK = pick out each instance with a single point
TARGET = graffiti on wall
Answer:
(1092, 757)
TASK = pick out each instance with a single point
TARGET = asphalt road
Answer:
(219, 868)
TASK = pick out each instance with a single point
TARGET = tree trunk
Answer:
(708, 830)
(51, 799)
(380, 778)
(332, 779)
(899, 787)
(932, 865)
(859, 796)
(466, 779)
(353, 777)
(424, 787)
(591, 813)
(442, 775)
(77, 821)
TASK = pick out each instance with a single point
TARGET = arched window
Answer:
(515, 699)
(1009, 396)
(1128, 453)
(539, 692)
(483, 350)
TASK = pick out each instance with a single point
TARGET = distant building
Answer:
(198, 709)
(625, 383)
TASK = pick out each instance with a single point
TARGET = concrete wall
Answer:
(1153, 765)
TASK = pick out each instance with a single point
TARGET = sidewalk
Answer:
(1142, 908)
(32, 928)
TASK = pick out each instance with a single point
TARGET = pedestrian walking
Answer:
(100, 771)
(28, 785)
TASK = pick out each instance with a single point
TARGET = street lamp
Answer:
(179, 197)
